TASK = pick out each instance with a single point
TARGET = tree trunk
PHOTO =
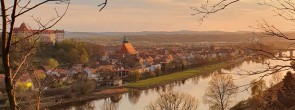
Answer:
(9, 83)
(5, 59)
(10, 93)
(38, 99)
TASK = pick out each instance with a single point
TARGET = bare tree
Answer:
(9, 16)
(270, 55)
(10, 12)
(220, 92)
(41, 81)
(282, 8)
(174, 101)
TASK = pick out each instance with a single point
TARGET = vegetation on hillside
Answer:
(70, 52)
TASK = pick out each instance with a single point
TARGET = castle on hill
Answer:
(46, 36)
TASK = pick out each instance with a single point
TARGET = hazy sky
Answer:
(153, 15)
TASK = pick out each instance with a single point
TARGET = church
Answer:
(126, 48)
(126, 51)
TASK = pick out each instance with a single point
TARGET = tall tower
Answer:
(125, 39)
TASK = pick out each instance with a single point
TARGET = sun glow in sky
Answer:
(153, 15)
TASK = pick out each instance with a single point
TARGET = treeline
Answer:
(70, 52)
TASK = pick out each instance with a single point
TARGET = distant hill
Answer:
(158, 37)
(104, 34)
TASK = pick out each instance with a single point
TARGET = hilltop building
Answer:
(46, 36)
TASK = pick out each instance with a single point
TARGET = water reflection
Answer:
(170, 86)
(236, 65)
(116, 98)
(85, 106)
(196, 87)
(108, 104)
(146, 92)
(195, 80)
(134, 96)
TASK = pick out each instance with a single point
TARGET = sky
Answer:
(152, 15)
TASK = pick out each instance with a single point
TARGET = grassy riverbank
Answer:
(151, 82)
(94, 95)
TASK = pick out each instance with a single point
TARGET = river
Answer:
(196, 87)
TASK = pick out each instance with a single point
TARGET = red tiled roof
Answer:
(127, 48)
(23, 27)
(2, 76)
(24, 77)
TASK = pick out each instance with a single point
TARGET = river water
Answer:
(196, 87)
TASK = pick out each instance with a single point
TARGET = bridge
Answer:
(281, 51)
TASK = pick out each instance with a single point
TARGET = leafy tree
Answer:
(61, 55)
(73, 56)
(158, 71)
(84, 59)
(258, 92)
(276, 78)
(149, 74)
(52, 63)
(83, 87)
(134, 76)
(21, 87)
(137, 75)
(258, 88)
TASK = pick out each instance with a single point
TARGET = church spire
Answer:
(125, 39)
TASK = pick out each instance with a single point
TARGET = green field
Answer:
(151, 82)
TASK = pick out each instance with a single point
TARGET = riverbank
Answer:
(97, 94)
(144, 84)
(178, 76)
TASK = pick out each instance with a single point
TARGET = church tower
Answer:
(125, 39)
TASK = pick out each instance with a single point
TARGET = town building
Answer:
(126, 51)
(126, 48)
